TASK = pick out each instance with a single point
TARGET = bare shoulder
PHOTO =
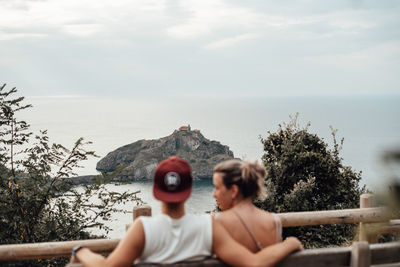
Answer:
(264, 215)
(226, 218)
(137, 225)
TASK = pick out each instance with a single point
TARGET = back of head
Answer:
(172, 180)
(249, 177)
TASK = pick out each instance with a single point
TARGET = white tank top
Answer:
(168, 240)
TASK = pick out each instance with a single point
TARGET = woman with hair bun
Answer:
(236, 184)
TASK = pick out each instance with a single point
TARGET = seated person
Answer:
(174, 236)
(237, 183)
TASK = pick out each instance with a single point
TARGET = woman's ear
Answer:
(234, 191)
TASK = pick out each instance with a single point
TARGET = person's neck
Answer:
(173, 210)
(241, 202)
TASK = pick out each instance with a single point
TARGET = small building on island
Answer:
(185, 128)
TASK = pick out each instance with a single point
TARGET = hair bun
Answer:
(248, 176)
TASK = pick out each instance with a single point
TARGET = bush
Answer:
(37, 203)
(305, 175)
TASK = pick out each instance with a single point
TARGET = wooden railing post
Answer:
(143, 210)
(366, 201)
(360, 254)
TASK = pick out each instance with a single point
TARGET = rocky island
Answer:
(139, 159)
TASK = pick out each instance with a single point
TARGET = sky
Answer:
(129, 48)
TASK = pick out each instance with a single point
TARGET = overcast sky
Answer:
(200, 47)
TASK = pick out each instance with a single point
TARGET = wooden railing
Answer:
(53, 249)
(307, 218)
(360, 254)
(291, 219)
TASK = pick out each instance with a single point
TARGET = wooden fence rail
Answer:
(367, 215)
(61, 249)
(360, 254)
(53, 249)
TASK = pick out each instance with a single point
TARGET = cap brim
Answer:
(171, 197)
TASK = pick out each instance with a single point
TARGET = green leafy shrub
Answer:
(304, 174)
(37, 203)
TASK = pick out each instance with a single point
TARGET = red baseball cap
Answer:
(172, 180)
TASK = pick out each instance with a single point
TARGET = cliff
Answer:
(139, 159)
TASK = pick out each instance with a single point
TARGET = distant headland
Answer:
(139, 160)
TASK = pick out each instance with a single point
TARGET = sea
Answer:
(369, 124)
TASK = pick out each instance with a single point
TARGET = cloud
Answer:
(205, 17)
(82, 29)
(150, 46)
(231, 41)
(371, 58)
(212, 16)
(6, 36)
(349, 23)
(57, 96)
(78, 18)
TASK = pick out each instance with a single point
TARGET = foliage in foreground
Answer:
(36, 203)
(304, 174)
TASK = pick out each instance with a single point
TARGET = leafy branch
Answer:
(37, 201)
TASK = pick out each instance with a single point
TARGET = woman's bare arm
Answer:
(233, 253)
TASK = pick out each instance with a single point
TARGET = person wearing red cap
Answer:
(175, 236)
